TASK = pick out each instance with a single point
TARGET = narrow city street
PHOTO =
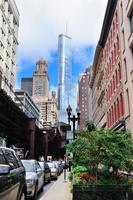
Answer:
(56, 190)
(66, 100)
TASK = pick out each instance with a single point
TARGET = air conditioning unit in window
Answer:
(1, 70)
(2, 7)
(13, 31)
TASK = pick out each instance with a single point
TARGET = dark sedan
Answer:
(12, 176)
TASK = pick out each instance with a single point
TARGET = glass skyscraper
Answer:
(64, 75)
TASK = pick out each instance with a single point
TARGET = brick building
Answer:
(84, 98)
(112, 79)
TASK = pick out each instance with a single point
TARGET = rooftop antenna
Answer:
(68, 100)
(66, 28)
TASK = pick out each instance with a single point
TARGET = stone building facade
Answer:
(9, 24)
(112, 80)
(26, 104)
(40, 95)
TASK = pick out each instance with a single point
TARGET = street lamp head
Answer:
(78, 114)
(69, 109)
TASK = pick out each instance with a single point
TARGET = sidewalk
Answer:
(59, 191)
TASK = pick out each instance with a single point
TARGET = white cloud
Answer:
(41, 21)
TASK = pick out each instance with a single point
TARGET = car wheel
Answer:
(49, 180)
(44, 181)
(41, 190)
(22, 197)
(35, 194)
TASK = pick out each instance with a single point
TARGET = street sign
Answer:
(69, 135)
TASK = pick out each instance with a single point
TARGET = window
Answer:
(116, 77)
(115, 112)
(113, 83)
(2, 158)
(107, 119)
(37, 166)
(0, 80)
(127, 103)
(111, 35)
(131, 21)
(11, 159)
(132, 50)
(121, 105)
(114, 52)
(113, 28)
(119, 72)
(123, 39)
(118, 108)
(112, 115)
(121, 13)
(118, 45)
(116, 19)
(125, 67)
(111, 88)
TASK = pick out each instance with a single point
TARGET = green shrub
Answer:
(79, 169)
(112, 149)
(84, 178)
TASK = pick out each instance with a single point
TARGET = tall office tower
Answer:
(41, 88)
(41, 81)
(26, 85)
(9, 24)
(64, 75)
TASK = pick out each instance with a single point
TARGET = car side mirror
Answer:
(39, 170)
(4, 169)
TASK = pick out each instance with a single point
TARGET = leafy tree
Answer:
(90, 126)
(106, 147)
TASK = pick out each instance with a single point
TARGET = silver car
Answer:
(34, 177)
(59, 166)
(54, 170)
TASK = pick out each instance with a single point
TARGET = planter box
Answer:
(102, 192)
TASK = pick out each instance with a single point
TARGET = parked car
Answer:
(12, 176)
(46, 170)
(54, 170)
(59, 166)
(34, 177)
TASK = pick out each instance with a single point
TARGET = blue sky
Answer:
(27, 67)
(44, 21)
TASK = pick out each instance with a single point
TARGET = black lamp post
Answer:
(73, 118)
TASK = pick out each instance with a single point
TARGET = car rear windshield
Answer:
(51, 165)
(29, 166)
(41, 164)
